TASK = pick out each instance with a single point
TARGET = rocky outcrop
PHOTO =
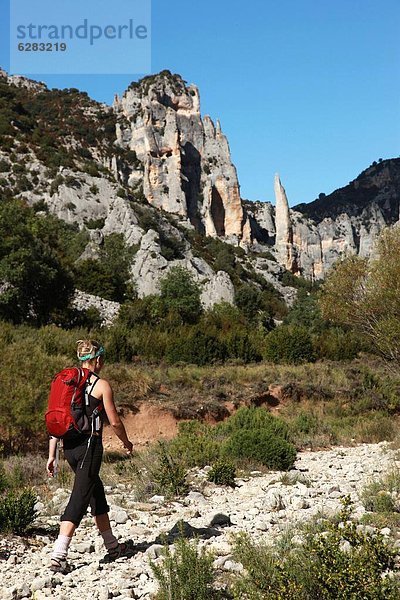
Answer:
(154, 148)
(284, 230)
(25, 82)
(149, 267)
(184, 160)
(108, 310)
(218, 289)
(310, 238)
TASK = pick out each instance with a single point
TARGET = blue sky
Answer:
(308, 88)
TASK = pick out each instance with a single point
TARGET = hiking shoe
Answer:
(59, 565)
(123, 549)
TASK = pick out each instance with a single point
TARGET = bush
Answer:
(378, 500)
(357, 572)
(260, 446)
(223, 472)
(17, 511)
(109, 276)
(289, 344)
(254, 418)
(339, 563)
(378, 496)
(119, 345)
(26, 379)
(195, 445)
(169, 473)
(95, 223)
(187, 574)
(35, 275)
(181, 295)
(197, 347)
(336, 344)
(3, 479)
(249, 298)
(240, 344)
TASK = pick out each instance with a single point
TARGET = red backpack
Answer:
(67, 409)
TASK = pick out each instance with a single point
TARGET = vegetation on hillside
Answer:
(48, 121)
(365, 295)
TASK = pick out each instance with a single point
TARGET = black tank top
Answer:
(75, 438)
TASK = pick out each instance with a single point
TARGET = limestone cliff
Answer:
(310, 238)
(153, 169)
(184, 161)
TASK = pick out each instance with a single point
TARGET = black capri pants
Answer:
(88, 487)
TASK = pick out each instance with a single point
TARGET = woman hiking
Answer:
(84, 456)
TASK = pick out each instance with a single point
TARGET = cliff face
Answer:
(310, 238)
(184, 161)
(151, 168)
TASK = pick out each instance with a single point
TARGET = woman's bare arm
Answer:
(52, 456)
(112, 415)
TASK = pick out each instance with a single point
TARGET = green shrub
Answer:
(378, 496)
(267, 576)
(186, 574)
(240, 344)
(254, 418)
(304, 423)
(223, 472)
(119, 345)
(289, 344)
(109, 276)
(260, 446)
(32, 265)
(339, 564)
(197, 347)
(358, 572)
(336, 344)
(181, 295)
(94, 189)
(4, 166)
(249, 299)
(21, 420)
(17, 511)
(95, 223)
(3, 479)
(169, 473)
(377, 500)
(195, 445)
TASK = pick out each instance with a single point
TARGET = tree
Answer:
(291, 344)
(366, 295)
(181, 295)
(109, 276)
(249, 299)
(33, 280)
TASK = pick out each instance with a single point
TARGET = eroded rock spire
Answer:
(283, 226)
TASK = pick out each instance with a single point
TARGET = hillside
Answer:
(154, 171)
(378, 186)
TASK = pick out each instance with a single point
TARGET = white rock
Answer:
(39, 583)
(231, 565)
(155, 551)
(121, 517)
(157, 499)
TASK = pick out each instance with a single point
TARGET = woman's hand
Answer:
(128, 446)
(50, 467)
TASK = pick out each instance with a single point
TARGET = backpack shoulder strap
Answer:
(89, 387)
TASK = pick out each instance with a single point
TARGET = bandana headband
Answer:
(99, 352)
